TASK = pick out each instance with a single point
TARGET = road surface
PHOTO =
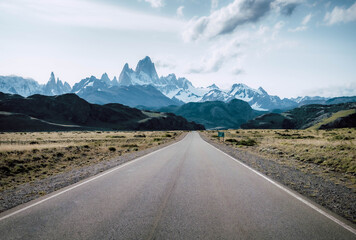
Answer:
(188, 190)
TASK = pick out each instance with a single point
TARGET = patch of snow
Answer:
(243, 97)
(89, 84)
(257, 107)
(187, 96)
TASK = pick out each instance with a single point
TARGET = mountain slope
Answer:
(69, 109)
(26, 87)
(19, 85)
(97, 91)
(216, 114)
(302, 117)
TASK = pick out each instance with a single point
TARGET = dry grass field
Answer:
(322, 151)
(25, 157)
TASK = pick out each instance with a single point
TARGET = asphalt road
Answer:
(188, 190)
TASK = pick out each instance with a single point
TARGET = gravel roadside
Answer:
(335, 197)
(29, 191)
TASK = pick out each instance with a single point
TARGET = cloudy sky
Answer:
(289, 47)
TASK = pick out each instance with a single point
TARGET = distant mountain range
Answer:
(143, 87)
(215, 114)
(26, 87)
(70, 112)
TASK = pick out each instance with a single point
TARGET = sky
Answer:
(289, 47)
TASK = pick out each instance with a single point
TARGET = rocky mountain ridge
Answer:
(26, 86)
(168, 90)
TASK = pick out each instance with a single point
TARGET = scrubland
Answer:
(26, 157)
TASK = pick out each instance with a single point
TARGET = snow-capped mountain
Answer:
(307, 98)
(259, 99)
(216, 95)
(171, 86)
(54, 87)
(91, 83)
(155, 90)
(26, 86)
(19, 85)
(144, 74)
(183, 90)
(104, 90)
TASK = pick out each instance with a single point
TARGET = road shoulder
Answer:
(336, 198)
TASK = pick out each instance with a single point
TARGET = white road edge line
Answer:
(349, 228)
(87, 181)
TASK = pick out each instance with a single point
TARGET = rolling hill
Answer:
(70, 112)
(215, 114)
(313, 116)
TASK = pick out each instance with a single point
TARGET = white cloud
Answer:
(155, 3)
(339, 14)
(298, 29)
(180, 13)
(226, 19)
(306, 19)
(333, 91)
(303, 27)
(279, 25)
(228, 52)
(82, 13)
(168, 64)
(218, 55)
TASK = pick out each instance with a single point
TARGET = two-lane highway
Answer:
(188, 190)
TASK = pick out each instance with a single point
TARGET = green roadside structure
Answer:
(221, 134)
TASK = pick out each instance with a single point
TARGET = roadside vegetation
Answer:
(25, 157)
(331, 153)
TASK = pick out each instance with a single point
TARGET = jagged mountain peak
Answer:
(115, 82)
(171, 76)
(148, 67)
(55, 87)
(213, 86)
(240, 86)
(126, 66)
(52, 78)
(105, 78)
(262, 91)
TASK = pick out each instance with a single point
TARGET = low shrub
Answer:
(244, 142)
(247, 142)
(129, 145)
(140, 135)
(116, 137)
(112, 149)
